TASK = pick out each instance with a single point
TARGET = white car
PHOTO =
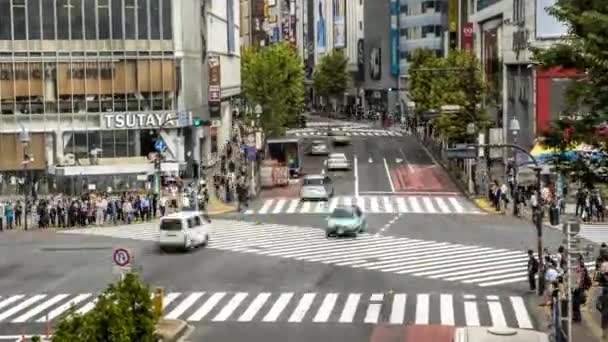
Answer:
(183, 230)
(316, 187)
(319, 147)
(340, 137)
(338, 161)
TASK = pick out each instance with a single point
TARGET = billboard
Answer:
(394, 30)
(320, 29)
(453, 15)
(467, 36)
(375, 63)
(339, 7)
(360, 60)
(547, 26)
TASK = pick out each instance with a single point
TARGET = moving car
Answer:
(339, 137)
(338, 161)
(183, 230)
(319, 147)
(346, 220)
(316, 187)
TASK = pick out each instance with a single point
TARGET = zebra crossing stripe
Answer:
(279, 206)
(305, 207)
(326, 308)
(302, 308)
(456, 205)
(185, 305)
(401, 205)
(388, 207)
(278, 307)
(8, 301)
(497, 315)
(168, 299)
(447, 309)
(266, 207)
(28, 302)
(414, 205)
(292, 206)
(38, 309)
(442, 205)
(207, 307)
(230, 307)
(521, 314)
(254, 307)
(471, 313)
(422, 309)
(64, 307)
(398, 308)
(350, 308)
(429, 205)
(373, 310)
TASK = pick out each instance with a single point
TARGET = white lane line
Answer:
(388, 206)
(230, 307)
(266, 206)
(422, 309)
(398, 309)
(521, 314)
(388, 175)
(401, 205)
(64, 307)
(278, 307)
(373, 313)
(447, 309)
(471, 314)
(206, 307)
(356, 173)
(38, 309)
(326, 308)
(456, 205)
(254, 307)
(350, 308)
(305, 207)
(184, 305)
(302, 308)
(21, 306)
(498, 317)
(293, 204)
(414, 205)
(279, 206)
(374, 204)
(429, 205)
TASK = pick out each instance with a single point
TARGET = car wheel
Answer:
(206, 241)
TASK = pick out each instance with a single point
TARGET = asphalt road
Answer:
(283, 280)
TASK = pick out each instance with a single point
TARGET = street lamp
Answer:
(24, 138)
(514, 128)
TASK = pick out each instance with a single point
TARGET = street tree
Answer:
(330, 77)
(452, 81)
(273, 77)
(584, 49)
(122, 313)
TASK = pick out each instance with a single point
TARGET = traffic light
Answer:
(197, 122)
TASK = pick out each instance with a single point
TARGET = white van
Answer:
(184, 230)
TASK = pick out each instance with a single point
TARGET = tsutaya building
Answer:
(92, 82)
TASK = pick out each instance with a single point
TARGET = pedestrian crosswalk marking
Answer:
(347, 132)
(372, 204)
(8, 301)
(471, 264)
(168, 299)
(290, 307)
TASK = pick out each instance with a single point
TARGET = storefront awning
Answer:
(107, 170)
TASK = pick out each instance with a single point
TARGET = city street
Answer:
(430, 256)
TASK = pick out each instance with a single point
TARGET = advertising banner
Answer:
(320, 28)
(339, 23)
(360, 60)
(394, 38)
(467, 36)
(453, 15)
(215, 85)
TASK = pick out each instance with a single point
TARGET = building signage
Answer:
(320, 31)
(467, 36)
(214, 98)
(339, 23)
(453, 15)
(360, 61)
(394, 38)
(138, 120)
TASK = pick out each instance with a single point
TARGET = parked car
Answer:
(319, 148)
(316, 187)
(346, 220)
(183, 230)
(338, 161)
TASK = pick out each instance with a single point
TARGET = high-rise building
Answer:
(94, 81)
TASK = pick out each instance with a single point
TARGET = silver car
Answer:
(316, 187)
(338, 161)
(319, 147)
(339, 137)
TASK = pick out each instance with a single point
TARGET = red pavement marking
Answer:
(412, 333)
(420, 177)
(290, 190)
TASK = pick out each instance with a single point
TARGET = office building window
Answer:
(519, 11)
(63, 19)
(33, 20)
(403, 9)
(90, 25)
(48, 20)
(168, 19)
(230, 24)
(403, 54)
(19, 21)
(75, 7)
(142, 19)
(5, 19)
(403, 32)
(103, 14)
(130, 19)
(116, 11)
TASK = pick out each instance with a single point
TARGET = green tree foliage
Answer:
(456, 81)
(587, 96)
(123, 313)
(273, 77)
(330, 77)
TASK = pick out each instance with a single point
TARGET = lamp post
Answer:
(258, 110)
(471, 130)
(514, 128)
(24, 138)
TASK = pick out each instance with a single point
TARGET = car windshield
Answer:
(171, 225)
(342, 213)
(314, 181)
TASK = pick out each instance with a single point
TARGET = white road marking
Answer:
(230, 307)
(326, 308)
(266, 206)
(64, 307)
(521, 314)
(388, 175)
(207, 307)
(356, 173)
(398, 308)
(471, 315)
(350, 308)
(401, 205)
(38, 309)
(428, 205)
(254, 307)
(293, 205)
(388, 206)
(374, 204)
(278, 307)
(21, 306)
(422, 309)
(498, 317)
(303, 306)
(415, 205)
(279, 206)
(447, 309)
(184, 305)
(305, 207)
(456, 205)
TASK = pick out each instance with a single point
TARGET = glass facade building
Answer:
(92, 81)
(421, 25)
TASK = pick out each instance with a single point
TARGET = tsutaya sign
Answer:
(138, 120)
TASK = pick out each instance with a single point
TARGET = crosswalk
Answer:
(294, 308)
(367, 132)
(597, 233)
(469, 264)
(370, 204)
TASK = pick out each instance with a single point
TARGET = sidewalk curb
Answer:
(176, 330)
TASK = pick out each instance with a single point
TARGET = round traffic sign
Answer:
(121, 257)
